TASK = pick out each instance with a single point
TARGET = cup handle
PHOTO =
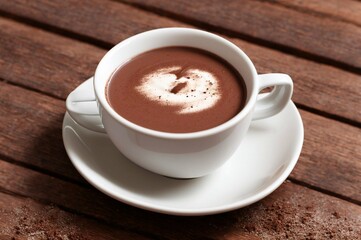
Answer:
(269, 104)
(82, 107)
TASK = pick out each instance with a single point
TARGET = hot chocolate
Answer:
(177, 90)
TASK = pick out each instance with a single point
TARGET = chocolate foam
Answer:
(194, 91)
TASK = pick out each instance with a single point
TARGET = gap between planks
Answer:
(57, 30)
(44, 171)
(322, 190)
(328, 115)
(27, 87)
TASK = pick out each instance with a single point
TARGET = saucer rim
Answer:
(272, 186)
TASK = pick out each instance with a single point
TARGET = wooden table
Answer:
(47, 48)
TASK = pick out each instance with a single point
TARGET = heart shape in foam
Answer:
(192, 90)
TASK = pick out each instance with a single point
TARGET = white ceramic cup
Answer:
(178, 155)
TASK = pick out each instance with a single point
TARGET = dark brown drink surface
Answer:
(177, 90)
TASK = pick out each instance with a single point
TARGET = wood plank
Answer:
(329, 160)
(56, 65)
(291, 211)
(273, 23)
(344, 10)
(31, 132)
(24, 218)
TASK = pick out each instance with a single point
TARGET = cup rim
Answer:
(168, 135)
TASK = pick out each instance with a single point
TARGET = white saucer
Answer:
(263, 161)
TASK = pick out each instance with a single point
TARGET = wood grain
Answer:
(329, 160)
(30, 130)
(330, 145)
(24, 218)
(291, 212)
(341, 10)
(56, 65)
(108, 21)
(45, 62)
(273, 23)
